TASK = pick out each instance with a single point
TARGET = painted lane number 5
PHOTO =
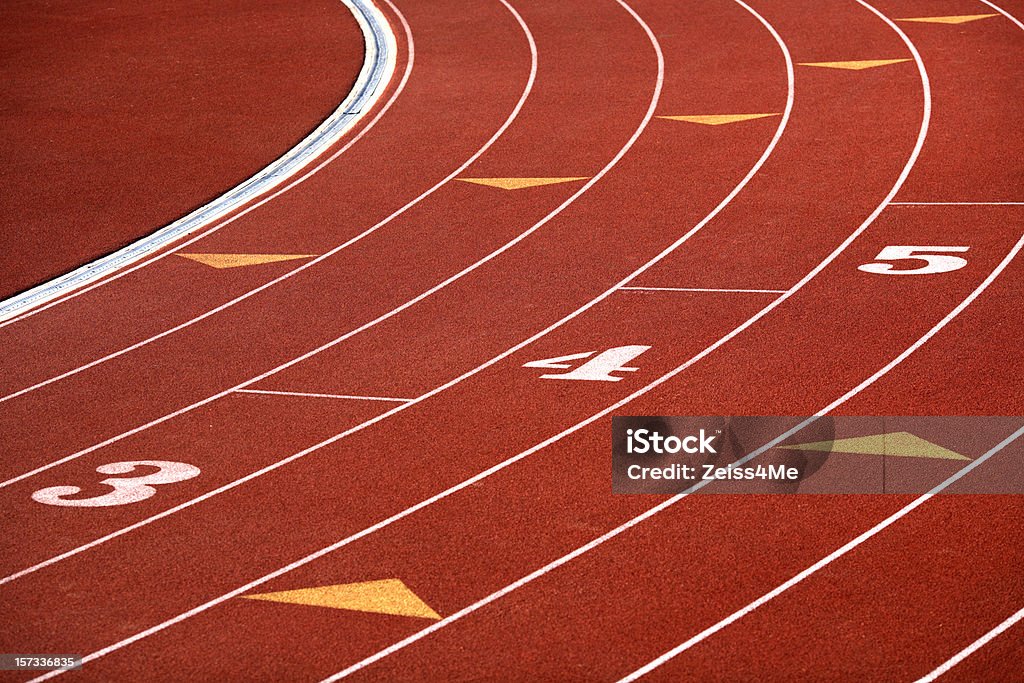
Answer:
(935, 260)
(126, 489)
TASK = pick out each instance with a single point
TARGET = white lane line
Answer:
(1016, 617)
(565, 559)
(309, 354)
(1006, 14)
(408, 511)
(313, 262)
(655, 98)
(958, 203)
(972, 648)
(825, 561)
(374, 75)
(703, 289)
(311, 395)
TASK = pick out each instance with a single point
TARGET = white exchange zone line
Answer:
(306, 394)
(377, 70)
(958, 203)
(703, 289)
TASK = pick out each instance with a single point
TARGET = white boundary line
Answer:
(311, 395)
(704, 289)
(1020, 25)
(958, 203)
(972, 648)
(654, 101)
(376, 72)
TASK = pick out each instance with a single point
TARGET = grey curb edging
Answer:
(378, 65)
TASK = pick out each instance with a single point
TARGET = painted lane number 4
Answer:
(125, 489)
(597, 369)
(935, 260)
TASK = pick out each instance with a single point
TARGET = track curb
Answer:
(377, 70)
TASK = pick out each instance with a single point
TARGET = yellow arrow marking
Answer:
(717, 119)
(902, 444)
(855, 65)
(236, 260)
(518, 183)
(955, 19)
(387, 596)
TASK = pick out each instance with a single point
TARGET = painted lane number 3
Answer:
(125, 489)
(935, 260)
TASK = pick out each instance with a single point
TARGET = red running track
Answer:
(614, 608)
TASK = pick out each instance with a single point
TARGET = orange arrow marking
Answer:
(387, 596)
(238, 260)
(518, 183)
(858, 65)
(717, 119)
